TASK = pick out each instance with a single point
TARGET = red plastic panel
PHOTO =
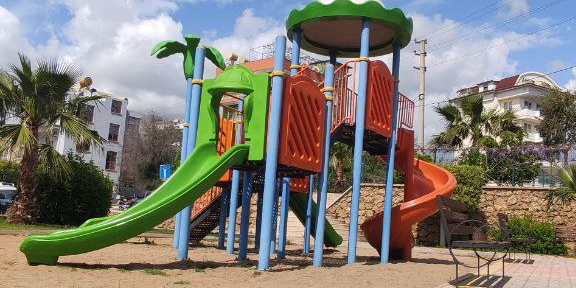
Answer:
(302, 124)
(380, 94)
(299, 185)
(205, 200)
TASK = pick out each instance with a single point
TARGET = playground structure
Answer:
(276, 137)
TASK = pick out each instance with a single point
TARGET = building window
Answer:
(527, 104)
(508, 105)
(88, 114)
(113, 132)
(527, 128)
(111, 160)
(116, 107)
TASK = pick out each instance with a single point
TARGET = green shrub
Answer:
(542, 234)
(85, 195)
(470, 180)
(9, 171)
(424, 157)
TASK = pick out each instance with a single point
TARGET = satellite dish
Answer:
(85, 82)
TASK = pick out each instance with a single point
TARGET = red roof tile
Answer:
(506, 83)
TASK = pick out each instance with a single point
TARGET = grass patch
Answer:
(155, 272)
(161, 231)
(38, 226)
(201, 267)
(182, 282)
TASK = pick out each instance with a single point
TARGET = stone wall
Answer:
(371, 202)
(513, 201)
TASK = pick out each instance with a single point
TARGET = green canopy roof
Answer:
(337, 26)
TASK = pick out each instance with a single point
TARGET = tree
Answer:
(469, 121)
(156, 143)
(558, 125)
(37, 98)
(340, 156)
(188, 50)
(567, 192)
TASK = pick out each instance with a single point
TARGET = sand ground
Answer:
(137, 263)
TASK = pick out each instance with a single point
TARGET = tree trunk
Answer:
(24, 208)
(339, 178)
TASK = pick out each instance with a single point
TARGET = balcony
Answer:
(526, 113)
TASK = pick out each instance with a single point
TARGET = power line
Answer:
(503, 22)
(503, 43)
(457, 23)
(547, 74)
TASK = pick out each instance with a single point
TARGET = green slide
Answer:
(197, 174)
(298, 206)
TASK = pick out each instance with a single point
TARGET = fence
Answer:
(534, 166)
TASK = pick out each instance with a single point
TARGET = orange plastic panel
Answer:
(205, 200)
(302, 124)
(380, 94)
(225, 141)
(299, 185)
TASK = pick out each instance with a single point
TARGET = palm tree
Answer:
(340, 155)
(188, 50)
(482, 128)
(567, 192)
(37, 99)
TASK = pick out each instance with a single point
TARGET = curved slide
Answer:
(298, 206)
(419, 203)
(197, 174)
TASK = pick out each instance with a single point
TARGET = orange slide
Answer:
(423, 182)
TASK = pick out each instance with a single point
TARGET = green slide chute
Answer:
(197, 174)
(298, 206)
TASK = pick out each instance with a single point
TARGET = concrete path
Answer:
(542, 272)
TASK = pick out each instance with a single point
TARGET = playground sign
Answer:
(165, 171)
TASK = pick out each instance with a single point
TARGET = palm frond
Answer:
(53, 163)
(77, 129)
(192, 41)
(167, 48)
(215, 57)
(17, 135)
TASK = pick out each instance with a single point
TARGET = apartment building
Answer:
(521, 93)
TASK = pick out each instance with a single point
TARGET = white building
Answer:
(108, 118)
(520, 93)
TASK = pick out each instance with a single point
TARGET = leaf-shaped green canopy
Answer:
(167, 48)
(192, 41)
(215, 56)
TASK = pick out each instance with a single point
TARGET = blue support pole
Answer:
(284, 218)
(184, 233)
(390, 164)
(183, 154)
(272, 154)
(275, 218)
(295, 62)
(259, 203)
(323, 178)
(358, 140)
(224, 204)
(245, 216)
(234, 194)
(308, 225)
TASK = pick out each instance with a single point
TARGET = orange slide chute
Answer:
(423, 182)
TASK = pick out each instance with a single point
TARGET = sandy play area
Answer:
(143, 264)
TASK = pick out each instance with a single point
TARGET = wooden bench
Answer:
(456, 223)
(565, 234)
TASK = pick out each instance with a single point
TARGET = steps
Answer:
(342, 228)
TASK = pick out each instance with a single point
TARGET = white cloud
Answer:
(514, 8)
(11, 39)
(443, 80)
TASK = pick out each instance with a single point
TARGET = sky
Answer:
(468, 41)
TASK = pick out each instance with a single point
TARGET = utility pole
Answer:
(422, 88)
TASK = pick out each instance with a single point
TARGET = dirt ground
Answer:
(137, 263)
